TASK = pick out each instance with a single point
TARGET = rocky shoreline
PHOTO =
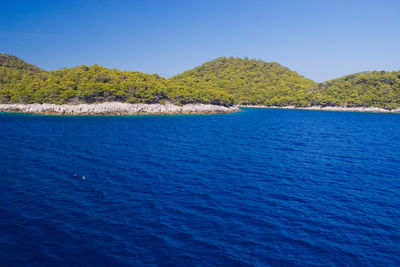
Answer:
(116, 108)
(321, 108)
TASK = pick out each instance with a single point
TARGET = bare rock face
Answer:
(116, 108)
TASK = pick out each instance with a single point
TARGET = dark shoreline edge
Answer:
(116, 113)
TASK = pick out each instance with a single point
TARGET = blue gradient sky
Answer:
(318, 39)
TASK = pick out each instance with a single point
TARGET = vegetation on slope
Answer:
(20, 83)
(250, 81)
(224, 81)
(375, 88)
(9, 61)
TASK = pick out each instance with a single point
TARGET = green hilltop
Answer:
(20, 83)
(223, 81)
(250, 81)
(366, 89)
(12, 62)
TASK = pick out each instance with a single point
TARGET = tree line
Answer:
(223, 81)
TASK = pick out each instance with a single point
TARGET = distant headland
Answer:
(217, 86)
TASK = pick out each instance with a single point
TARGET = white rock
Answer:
(117, 108)
(349, 109)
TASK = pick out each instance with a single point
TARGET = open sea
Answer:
(262, 187)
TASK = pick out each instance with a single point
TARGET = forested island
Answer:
(218, 84)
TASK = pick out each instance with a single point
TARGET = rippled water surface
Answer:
(259, 187)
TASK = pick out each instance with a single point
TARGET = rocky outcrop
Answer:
(116, 108)
(348, 109)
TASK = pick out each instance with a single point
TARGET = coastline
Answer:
(330, 108)
(116, 108)
(119, 108)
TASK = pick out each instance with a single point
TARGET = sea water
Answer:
(255, 188)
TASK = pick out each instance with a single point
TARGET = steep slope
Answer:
(250, 81)
(366, 89)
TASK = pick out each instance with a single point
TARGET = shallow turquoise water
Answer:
(260, 187)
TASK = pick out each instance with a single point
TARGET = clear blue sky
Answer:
(321, 39)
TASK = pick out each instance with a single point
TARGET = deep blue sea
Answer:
(263, 187)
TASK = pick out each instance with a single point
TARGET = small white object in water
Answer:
(75, 174)
(83, 177)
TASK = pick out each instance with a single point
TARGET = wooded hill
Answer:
(367, 89)
(22, 83)
(250, 81)
(224, 81)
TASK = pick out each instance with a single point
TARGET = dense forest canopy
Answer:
(13, 62)
(19, 83)
(224, 81)
(250, 81)
(374, 88)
